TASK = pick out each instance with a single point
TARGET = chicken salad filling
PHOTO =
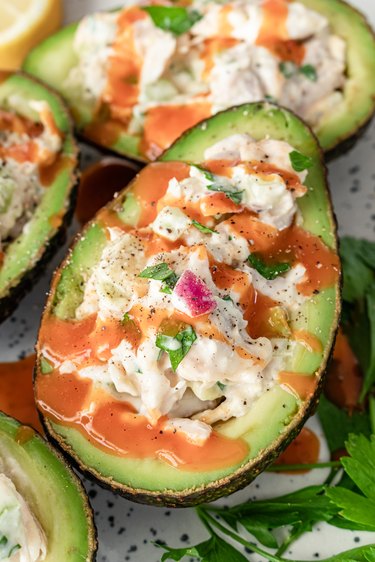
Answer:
(21, 536)
(157, 69)
(26, 149)
(189, 310)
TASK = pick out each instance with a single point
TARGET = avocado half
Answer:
(53, 492)
(52, 60)
(25, 257)
(277, 416)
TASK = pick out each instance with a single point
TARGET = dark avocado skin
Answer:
(10, 301)
(74, 480)
(245, 474)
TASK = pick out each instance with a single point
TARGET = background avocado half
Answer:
(26, 256)
(277, 416)
(52, 60)
(51, 489)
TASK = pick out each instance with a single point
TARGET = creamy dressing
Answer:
(22, 538)
(224, 369)
(239, 51)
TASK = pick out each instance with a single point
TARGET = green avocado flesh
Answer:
(52, 60)
(278, 415)
(52, 491)
(25, 256)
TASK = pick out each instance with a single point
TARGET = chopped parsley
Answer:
(178, 346)
(309, 71)
(161, 272)
(220, 385)
(6, 551)
(269, 272)
(175, 19)
(203, 228)
(235, 196)
(299, 161)
(227, 298)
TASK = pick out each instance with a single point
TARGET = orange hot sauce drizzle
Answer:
(303, 386)
(304, 449)
(113, 425)
(16, 391)
(273, 34)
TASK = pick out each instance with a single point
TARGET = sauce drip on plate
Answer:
(16, 391)
(304, 449)
(99, 183)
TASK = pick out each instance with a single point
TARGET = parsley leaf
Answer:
(269, 272)
(203, 228)
(358, 262)
(306, 506)
(175, 19)
(360, 467)
(309, 71)
(160, 272)
(299, 161)
(214, 549)
(338, 424)
(235, 196)
(178, 346)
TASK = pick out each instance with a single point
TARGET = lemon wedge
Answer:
(23, 23)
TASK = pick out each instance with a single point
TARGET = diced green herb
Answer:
(178, 346)
(203, 228)
(235, 196)
(3, 540)
(175, 19)
(160, 272)
(288, 68)
(125, 318)
(14, 549)
(45, 366)
(269, 272)
(220, 385)
(299, 161)
(309, 71)
(227, 298)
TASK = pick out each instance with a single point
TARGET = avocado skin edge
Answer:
(89, 512)
(16, 293)
(243, 476)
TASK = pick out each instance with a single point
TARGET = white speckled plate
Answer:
(127, 530)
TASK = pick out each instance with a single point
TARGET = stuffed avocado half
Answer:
(186, 335)
(136, 78)
(44, 510)
(39, 159)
